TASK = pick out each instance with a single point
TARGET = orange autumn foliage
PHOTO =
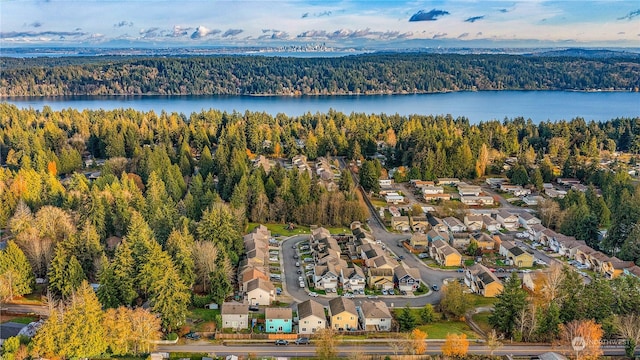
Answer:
(456, 345)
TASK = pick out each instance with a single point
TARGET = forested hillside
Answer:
(364, 74)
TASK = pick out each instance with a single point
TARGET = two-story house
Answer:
(516, 254)
(482, 281)
(407, 279)
(444, 254)
(527, 220)
(473, 222)
(278, 320)
(353, 278)
(325, 276)
(343, 314)
(311, 317)
(260, 292)
(490, 224)
(508, 220)
(234, 315)
(454, 224)
(374, 316)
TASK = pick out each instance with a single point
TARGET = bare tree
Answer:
(492, 342)
(551, 283)
(205, 254)
(629, 327)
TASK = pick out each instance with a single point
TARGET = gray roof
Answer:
(340, 304)
(278, 313)
(310, 308)
(259, 283)
(375, 310)
(230, 308)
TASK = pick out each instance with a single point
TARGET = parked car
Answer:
(254, 308)
(301, 284)
(423, 255)
(299, 271)
(296, 257)
(297, 264)
(384, 292)
(435, 288)
(192, 336)
(293, 247)
(401, 257)
(282, 342)
(348, 295)
(313, 294)
(309, 267)
(460, 270)
(302, 341)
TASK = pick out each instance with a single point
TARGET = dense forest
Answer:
(363, 74)
(162, 218)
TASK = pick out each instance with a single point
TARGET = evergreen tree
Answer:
(406, 319)
(179, 246)
(427, 314)
(84, 332)
(15, 272)
(549, 327)
(170, 299)
(511, 302)
(221, 285)
(65, 274)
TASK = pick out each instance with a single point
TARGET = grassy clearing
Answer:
(19, 319)
(280, 229)
(479, 301)
(440, 329)
(203, 314)
(482, 319)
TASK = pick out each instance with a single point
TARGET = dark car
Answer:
(254, 308)
(302, 341)
(282, 342)
(192, 336)
(435, 288)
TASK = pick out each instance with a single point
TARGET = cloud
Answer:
(123, 23)
(354, 34)
(621, 33)
(479, 33)
(439, 35)
(305, 15)
(149, 33)
(202, 31)
(463, 35)
(320, 14)
(275, 35)
(179, 31)
(232, 32)
(313, 34)
(503, 10)
(36, 24)
(630, 15)
(432, 15)
(30, 34)
(474, 18)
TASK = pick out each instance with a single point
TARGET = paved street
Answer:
(385, 347)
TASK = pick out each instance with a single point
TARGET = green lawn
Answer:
(299, 229)
(479, 301)
(23, 319)
(203, 314)
(440, 329)
(482, 319)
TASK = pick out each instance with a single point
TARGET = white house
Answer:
(432, 190)
(312, 318)
(473, 222)
(508, 220)
(325, 277)
(527, 220)
(374, 316)
(393, 198)
(454, 224)
(385, 183)
(260, 292)
(353, 279)
(235, 315)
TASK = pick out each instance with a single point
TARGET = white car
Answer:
(312, 294)
(301, 284)
(348, 295)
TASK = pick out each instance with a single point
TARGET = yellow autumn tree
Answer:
(456, 345)
(588, 330)
(418, 343)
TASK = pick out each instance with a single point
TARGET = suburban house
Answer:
(454, 224)
(418, 184)
(278, 320)
(532, 200)
(515, 254)
(374, 316)
(496, 182)
(385, 183)
(419, 240)
(380, 278)
(343, 314)
(250, 273)
(491, 224)
(325, 276)
(434, 235)
(370, 251)
(568, 181)
(234, 315)
(583, 254)
(419, 224)
(516, 190)
(393, 198)
(632, 271)
(260, 292)
(615, 267)
(527, 220)
(408, 279)
(437, 224)
(477, 200)
(473, 222)
(432, 190)
(484, 241)
(400, 223)
(460, 240)
(448, 181)
(482, 281)
(312, 317)
(444, 254)
(508, 220)
(436, 197)
(469, 190)
(353, 278)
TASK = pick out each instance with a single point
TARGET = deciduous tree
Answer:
(456, 345)
(589, 330)
(327, 344)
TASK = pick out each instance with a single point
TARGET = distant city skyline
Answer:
(155, 23)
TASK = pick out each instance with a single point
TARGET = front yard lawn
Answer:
(482, 319)
(440, 329)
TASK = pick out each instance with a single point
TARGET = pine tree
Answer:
(84, 331)
(179, 246)
(124, 272)
(15, 271)
(406, 319)
(511, 302)
(170, 299)
(65, 273)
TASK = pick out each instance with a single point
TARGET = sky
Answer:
(335, 23)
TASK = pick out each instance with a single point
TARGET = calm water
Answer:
(476, 106)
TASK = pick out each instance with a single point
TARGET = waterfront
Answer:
(476, 106)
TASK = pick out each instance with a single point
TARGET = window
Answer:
(286, 320)
(339, 318)
(319, 321)
(305, 329)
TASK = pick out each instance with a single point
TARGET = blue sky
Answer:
(346, 23)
